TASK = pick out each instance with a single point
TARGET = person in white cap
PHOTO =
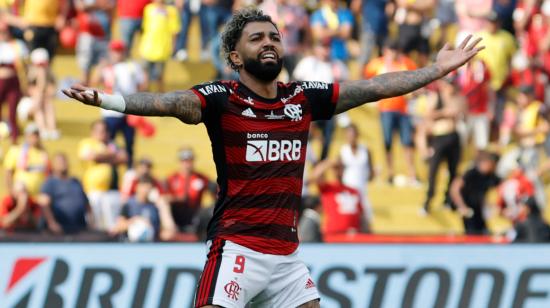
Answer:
(42, 88)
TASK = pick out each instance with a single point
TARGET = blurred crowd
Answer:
(492, 115)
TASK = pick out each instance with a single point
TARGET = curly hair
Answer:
(234, 29)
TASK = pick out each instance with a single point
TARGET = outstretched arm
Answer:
(184, 105)
(359, 92)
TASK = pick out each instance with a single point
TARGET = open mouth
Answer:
(268, 56)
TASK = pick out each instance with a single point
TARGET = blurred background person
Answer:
(444, 112)
(95, 21)
(374, 27)
(186, 188)
(414, 28)
(161, 24)
(63, 200)
(119, 75)
(27, 162)
(100, 159)
(130, 18)
(42, 88)
(356, 160)
(189, 9)
(469, 191)
(309, 227)
(144, 167)
(530, 227)
(18, 211)
(394, 114)
(342, 209)
(216, 13)
(13, 54)
(334, 23)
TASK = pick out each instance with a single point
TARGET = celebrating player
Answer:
(258, 128)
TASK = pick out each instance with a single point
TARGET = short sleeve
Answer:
(125, 211)
(47, 188)
(345, 17)
(213, 96)
(322, 98)
(317, 19)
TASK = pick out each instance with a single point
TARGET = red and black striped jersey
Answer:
(259, 148)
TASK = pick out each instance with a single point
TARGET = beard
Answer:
(263, 71)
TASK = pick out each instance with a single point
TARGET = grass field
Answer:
(395, 209)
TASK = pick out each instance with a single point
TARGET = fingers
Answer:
(446, 47)
(473, 44)
(465, 42)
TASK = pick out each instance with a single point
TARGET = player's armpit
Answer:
(358, 92)
(184, 105)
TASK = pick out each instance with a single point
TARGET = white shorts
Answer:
(234, 276)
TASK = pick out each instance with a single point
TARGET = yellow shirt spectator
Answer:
(97, 176)
(41, 13)
(160, 24)
(30, 165)
(499, 49)
(528, 121)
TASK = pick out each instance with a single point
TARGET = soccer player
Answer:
(259, 128)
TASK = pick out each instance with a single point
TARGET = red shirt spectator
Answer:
(188, 188)
(27, 219)
(534, 76)
(131, 9)
(474, 81)
(342, 208)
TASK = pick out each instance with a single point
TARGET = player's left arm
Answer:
(358, 92)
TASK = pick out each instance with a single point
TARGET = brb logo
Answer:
(259, 148)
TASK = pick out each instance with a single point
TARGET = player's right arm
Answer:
(184, 105)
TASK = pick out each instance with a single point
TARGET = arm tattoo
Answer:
(184, 105)
(356, 93)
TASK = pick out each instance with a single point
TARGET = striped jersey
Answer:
(259, 148)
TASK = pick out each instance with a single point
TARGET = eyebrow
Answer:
(271, 33)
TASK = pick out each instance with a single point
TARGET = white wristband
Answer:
(112, 102)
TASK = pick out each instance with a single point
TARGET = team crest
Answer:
(232, 289)
(294, 112)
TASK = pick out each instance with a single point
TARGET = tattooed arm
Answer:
(357, 93)
(184, 105)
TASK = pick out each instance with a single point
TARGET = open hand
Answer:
(88, 96)
(449, 59)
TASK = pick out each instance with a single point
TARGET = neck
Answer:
(267, 89)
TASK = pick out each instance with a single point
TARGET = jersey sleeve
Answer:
(322, 98)
(213, 96)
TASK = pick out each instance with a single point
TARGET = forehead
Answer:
(259, 27)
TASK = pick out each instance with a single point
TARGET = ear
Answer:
(236, 58)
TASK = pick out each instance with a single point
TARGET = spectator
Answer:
(118, 75)
(393, 111)
(335, 24)
(63, 201)
(471, 17)
(500, 46)
(468, 192)
(531, 130)
(188, 9)
(319, 67)
(41, 20)
(531, 227)
(18, 211)
(444, 112)
(100, 158)
(12, 62)
(474, 83)
(414, 28)
(140, 219)
(512, 190)
(144, 167)
(293, 23)
(42, 88)
(94, 20)
(374, 26)
(186, 188)
(343, 212)
(160, 25)
(27, 163)
(130, 18)
(216, 13)
(357, 163)
(309, 228)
